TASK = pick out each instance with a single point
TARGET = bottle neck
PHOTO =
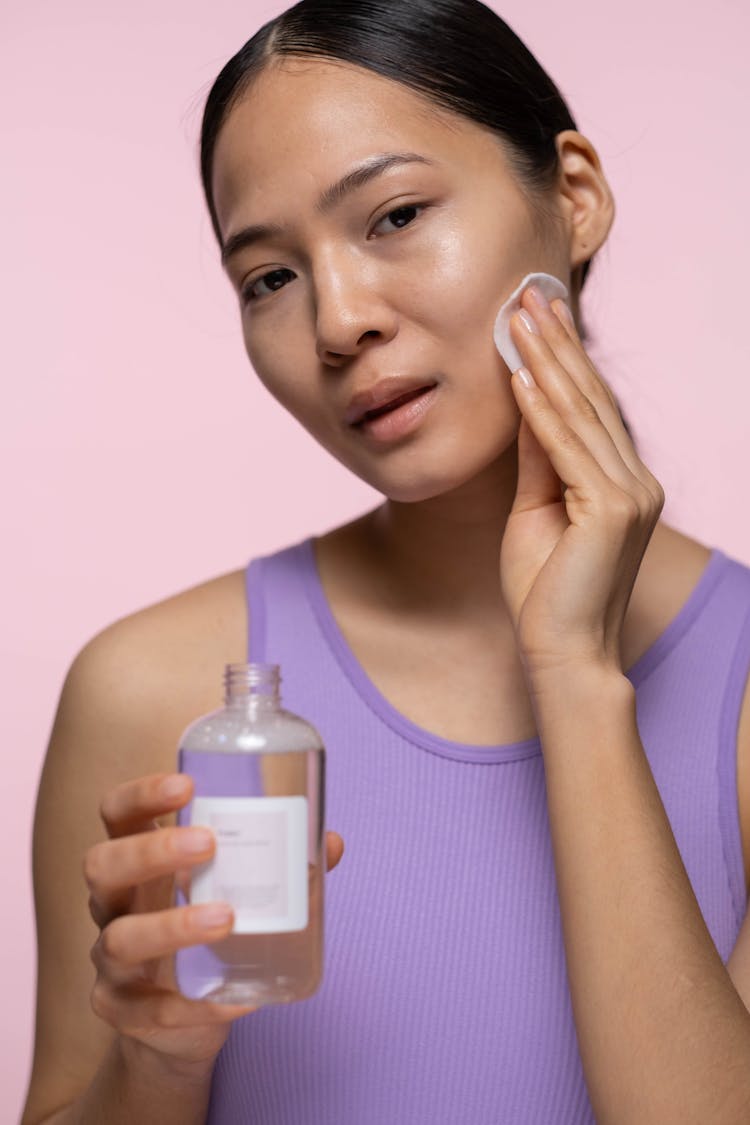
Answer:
(254, 686)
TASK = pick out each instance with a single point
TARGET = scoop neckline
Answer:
(473, 752)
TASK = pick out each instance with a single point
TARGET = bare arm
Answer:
(115, 1041)
(109, 727)
(129, 1086)
(664, 1034)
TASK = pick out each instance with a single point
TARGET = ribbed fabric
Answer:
(445, 999)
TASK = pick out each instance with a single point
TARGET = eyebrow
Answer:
(328, 199)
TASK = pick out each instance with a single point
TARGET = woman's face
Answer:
(401, 276)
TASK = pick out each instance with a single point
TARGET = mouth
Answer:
(398, 418)
(394, 404)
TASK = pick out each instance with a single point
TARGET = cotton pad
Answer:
(550, 286)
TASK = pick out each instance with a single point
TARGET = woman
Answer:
(526, 927)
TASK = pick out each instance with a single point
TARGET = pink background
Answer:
(142, 456)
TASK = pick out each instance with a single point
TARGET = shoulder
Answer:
(157, 669)
(672, 568)
(673, 571)
(215, 609)
(674, 563)
(685, 559)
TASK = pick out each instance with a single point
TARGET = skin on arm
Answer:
(663, 1030)
(116, 720)
(127, 698)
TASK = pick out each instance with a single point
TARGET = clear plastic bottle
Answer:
(259, 774)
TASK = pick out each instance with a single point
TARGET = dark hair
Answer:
(459, 54)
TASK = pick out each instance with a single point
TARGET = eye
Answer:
(401, 212)
(248, 294)
(273, 277)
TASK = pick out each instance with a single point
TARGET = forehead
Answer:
(304, 122)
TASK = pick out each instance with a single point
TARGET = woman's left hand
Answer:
(585, 505)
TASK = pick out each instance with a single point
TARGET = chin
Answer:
(416, 493)
(421, 485)
(436, 467)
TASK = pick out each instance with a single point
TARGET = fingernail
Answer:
(538, 297)
(529, 322)
(212, 914)
(195, 840)
(525, 376)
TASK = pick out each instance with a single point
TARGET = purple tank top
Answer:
(445, 999)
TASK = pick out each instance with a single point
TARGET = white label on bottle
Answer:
(260, 864)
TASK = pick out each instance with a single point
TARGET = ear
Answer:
(585, 197)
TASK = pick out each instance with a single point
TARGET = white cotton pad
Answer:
(551, 287)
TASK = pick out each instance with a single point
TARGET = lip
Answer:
(381, 393)
(400, 421)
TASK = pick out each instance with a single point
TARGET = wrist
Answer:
(146, 1064)
(579, 688)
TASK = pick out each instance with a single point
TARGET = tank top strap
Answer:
(275, 600)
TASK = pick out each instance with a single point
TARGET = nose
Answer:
(350, 312)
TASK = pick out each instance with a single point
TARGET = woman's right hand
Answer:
(131, 879)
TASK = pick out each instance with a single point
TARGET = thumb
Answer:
(334, 849)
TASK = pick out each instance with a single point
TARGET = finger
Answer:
(334, 849)
(140, 1008)
(592, 384)
(574, 408)
(127, 943)
(113, 868)
(595, 381)
(575, 464)
(133, 806)
(551, 318)
(116, 865)
(596, 390)
(573, 377)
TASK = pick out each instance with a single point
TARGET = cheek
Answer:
(459, 301)
(452, 276)
(273, 360)
(462, 281)
(283, 376)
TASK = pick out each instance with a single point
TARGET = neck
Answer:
(442, 555)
